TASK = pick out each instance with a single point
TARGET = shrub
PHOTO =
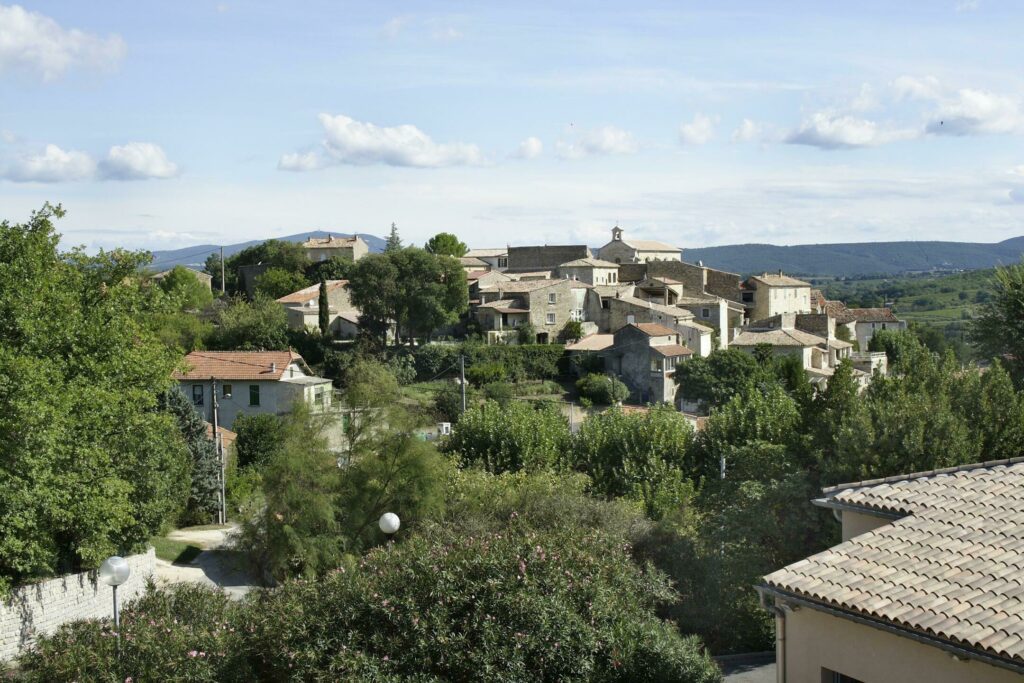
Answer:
(527, 334)
(260, 437)
(511, 438)
(403, 367)
(602, 389)
(500, 392)
(187, 632)
(508, 606)
(486, 373)
(448, 402)
(572, 331)
(433, 360)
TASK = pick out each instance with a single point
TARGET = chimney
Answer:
(273, 367)
(780, 272)
(700, 264)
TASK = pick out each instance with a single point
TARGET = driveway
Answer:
(749, 668)
(217, 565)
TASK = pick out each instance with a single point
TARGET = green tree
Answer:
(275, 254)
(334, 268)
(512, 438)
(277, 282)
(446, 244)
(185, 288)
(393, 242)
(260, 439)
(259, 325)
(324, 310)
(204, 494)
(716, 379)
(603, 390)
(90, 466)
(572, 331)
(297, 533)
(998, 329)
(416, 290)
(641, 456)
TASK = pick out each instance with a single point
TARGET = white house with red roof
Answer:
(250, 383)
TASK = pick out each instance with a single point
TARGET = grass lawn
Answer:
(176, 552)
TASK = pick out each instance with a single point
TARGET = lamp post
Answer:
(114, 571)
(389, 523)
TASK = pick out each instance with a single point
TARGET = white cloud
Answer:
(137, 161)
(54, 165)
(395, 25)
(966, 6)
(598, 142)
(1017, 170)
(748, 131)
(37, 44)
(8, 136)
(530, 148)
(829, 130)
(963, 111)
(699, 131)
(357, 143)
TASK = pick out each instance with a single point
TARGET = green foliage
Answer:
(324, 310)
(259, 325)
(999, 328)
(486, 373)
(508, 606)
(334, 268)
(526, 334)
(510, 438)
(572, 331)
(182, 285)
(715, 380)
(417, 290)
(179, 331)
(289, 257)
(602, 389)
(403, 367)
(446, 244)
(297, 533)
(204, 494)
(277, 282)
(640, 456)
(448, 402)
(90, 465)
(186, 632)
(520, 362)
(499, 392)
(260, 439)
(393, 242)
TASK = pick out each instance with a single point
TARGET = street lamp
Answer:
(389, 523)
(114, 571)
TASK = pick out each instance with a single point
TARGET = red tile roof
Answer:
(311, 292)
(881, 315)
(672, 350)
(654, 329)
(238, 365)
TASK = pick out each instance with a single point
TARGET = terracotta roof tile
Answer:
(654, 329)
(881, 315)
(239, 365)
(951, 567)
(311, 292)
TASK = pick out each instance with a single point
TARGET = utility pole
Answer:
(222, 516)
(462, 379)
(222, 283)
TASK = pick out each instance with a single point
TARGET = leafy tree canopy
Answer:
(259, 325)
(446, 244)
(186, 289)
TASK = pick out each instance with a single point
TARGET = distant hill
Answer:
(858, 259)
(195, 256)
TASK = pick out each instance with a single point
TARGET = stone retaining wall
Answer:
(41, 608)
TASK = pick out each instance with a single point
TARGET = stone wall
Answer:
(632, 272)
(547, 257)
(40, 608)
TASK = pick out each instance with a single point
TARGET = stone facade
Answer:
(620, 250)
(548, 257)
(769, 295)
(635, 358)
(547, 305)
(41, 608)
(325, 248)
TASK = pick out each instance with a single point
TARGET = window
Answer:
(630, 319)
(748, 297)
(226, 391)
(503, 262)
(612, 277)
(576, 315)
(551, 319)
(656, 365)
(606, 304)
(705, 312)
(552, 298)
(197, 394)
(254, 394)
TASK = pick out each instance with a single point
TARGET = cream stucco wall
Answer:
(771, 301)
(857, 523)
(815, 640)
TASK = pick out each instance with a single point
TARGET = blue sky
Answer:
(164, 124)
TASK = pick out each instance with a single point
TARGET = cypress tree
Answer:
(325, 309)
(394, 242)
(204, 493)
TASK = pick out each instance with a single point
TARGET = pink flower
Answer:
(192, 653)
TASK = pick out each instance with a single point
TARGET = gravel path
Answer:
(215, 566)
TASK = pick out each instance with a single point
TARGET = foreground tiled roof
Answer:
(951, 567)
(777, 338)
(253, 365)
(311, 292)
(873, 315)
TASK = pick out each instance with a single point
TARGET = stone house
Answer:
(547, 305)
(591, 271)
(544, 258)
(251, 383)
(303, 309)
(866, 321)
(644, 356)
(925, 585)
(819, 351)
(472, 263)
(496, 259)
(769, 295)
(325, 248)
(621, 250)
(621, 310)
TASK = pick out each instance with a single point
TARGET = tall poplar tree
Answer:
(325, 309)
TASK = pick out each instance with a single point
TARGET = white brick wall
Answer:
(41, 608)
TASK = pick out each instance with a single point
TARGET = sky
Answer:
(163, 124)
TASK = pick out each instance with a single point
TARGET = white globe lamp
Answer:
(389, 523)
(114, 571)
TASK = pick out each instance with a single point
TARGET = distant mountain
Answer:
(858, 259)
(195, 256)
